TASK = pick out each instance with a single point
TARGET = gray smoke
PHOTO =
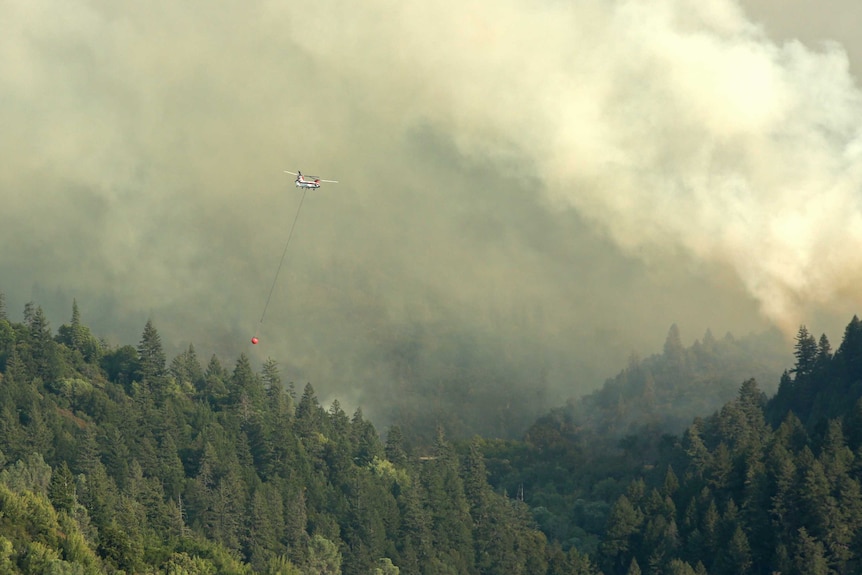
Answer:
(551, 185)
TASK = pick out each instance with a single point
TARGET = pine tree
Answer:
(295, 525)
(246, 393)
(824, 354)
(265, 526)
(414, 534)
(624, 524)
(451, 524)
(674, 351)
(62, 488)
(44, 359)
(739, 553)
(805, 352)
(809, 558)
(187, 371)
(270, 375)
(151, 361)
(849, 354)
(309, 414)
(364, 439)
(671, 482)
(215, 377)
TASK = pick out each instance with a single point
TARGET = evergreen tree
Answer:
(295, 525)
(363, 437)
(824, 354)
(246, 392)
(265, 527)
(809, 558)
(186, 370)
(215, 378)
(674, 351)
(62, 489)
(617, 547)
(309, 414)
(448, 507)
(77, 337)
(738, 553)
(271, 377)
(43, 355)
(151, 360)
(805, 352)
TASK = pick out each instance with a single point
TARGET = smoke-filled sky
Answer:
(531, 190)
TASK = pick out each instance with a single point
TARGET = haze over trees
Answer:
(119, 459)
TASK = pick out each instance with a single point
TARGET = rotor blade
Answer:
(293, 173)
(330, 181)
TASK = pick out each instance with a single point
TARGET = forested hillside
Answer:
(571, 459)
(752, 489)
(116, 460)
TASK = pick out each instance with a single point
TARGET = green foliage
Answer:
(281, 565)
(114, 462)
(121, 365)
(185, 564)
(323, 557)
(123, 462)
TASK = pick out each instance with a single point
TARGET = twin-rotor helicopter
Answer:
(308, 182)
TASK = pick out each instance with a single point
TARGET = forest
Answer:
(117, 459)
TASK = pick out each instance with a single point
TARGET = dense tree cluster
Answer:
(575, 460)
(759, 487)
(119, 460)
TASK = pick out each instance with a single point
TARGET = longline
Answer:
(284, 253)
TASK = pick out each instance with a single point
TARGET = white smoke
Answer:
(142, 147)
(672, 123)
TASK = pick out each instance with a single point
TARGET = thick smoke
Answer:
(529, 192)
(671, 124)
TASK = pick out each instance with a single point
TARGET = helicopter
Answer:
(308, 182)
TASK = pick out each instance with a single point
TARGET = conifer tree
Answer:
(270, 375)
(849, 354)
(309, 414)
(364, 438)
(62, 489)
(617, 547)
(674, 351)
(295, 525)
(739, 553)
(246, 392)
(215, 378)
(43, 353)
(805, 352)
(824, 353)
(810, 558)
(186, 369)
(151, 360)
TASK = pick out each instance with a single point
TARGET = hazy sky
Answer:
(549, 184)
